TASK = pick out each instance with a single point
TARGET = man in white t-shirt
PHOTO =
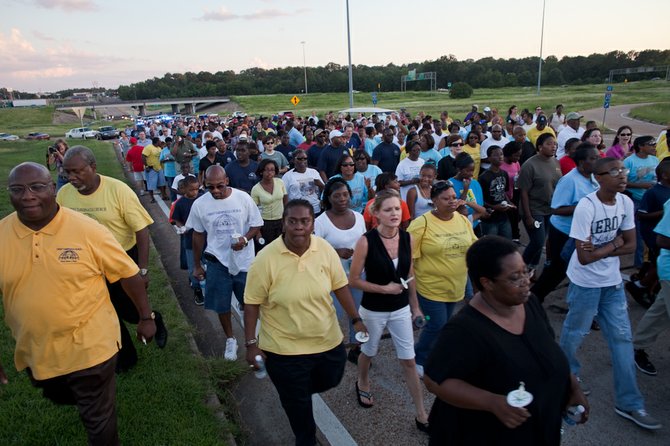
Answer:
(603, 228)
(228, 219)
(303, 182)
(496, 139)
(571, 130)
(409, 168)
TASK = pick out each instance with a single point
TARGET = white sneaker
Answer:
(419, 371)
(231, 349)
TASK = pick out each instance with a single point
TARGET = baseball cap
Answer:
(243, 136)
(487, 109)
(133, 140)
(541, 119)
(573, 115)
(317, 132)
(334, 134)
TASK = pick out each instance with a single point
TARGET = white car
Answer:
(8, 137)
(81, 133)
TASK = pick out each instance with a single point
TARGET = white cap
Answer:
(334, 134)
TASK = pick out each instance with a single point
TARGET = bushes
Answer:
(460, 90)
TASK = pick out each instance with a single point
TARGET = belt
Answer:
(210, 257)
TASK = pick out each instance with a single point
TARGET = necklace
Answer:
(391, 237)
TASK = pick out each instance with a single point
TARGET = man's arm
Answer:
(142, 237)
(198, 246)
(623, 244)
(135, 289)
(564, 210)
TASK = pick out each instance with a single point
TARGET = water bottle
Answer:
(420, 321)
(261, 372)
(202, 287)
(574, 414)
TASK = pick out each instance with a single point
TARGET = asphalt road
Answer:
(342, 422)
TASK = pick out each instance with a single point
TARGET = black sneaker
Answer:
(643, 363)
(640, 295)
(198, 297)
(161, 332)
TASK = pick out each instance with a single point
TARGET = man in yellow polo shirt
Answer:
(114, 205)
(540, 127)
(53, 267)
(153, 170)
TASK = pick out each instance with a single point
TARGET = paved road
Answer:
(618, 116)
(391, 420)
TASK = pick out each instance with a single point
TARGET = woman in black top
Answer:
(389, 297)
(501, 338)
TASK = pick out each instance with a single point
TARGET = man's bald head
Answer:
(216, 181)
(37, 170)
(215, 170)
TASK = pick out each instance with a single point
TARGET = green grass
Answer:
(581, 97)
(161, 401)
(656, 113)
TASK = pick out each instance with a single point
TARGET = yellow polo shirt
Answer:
(54, 293)
(533, 133)
(153, 156)
(113, 204)
(296, 310)
(439, 255)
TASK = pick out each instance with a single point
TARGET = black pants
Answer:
(553, 274)
(296, 378)
(126, 311)
(93, 391)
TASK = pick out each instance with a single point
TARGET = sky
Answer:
(50, 45)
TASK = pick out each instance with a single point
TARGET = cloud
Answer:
(68, 5)
(260, 63)
(223, 14)
(40, 35)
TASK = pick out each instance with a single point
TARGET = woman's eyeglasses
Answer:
(523, 279)
(456, 144)
(347, 164)
(615, 172)
(625, 134)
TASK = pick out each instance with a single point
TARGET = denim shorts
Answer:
(220, 285)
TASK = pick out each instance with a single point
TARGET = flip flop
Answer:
(363, 394)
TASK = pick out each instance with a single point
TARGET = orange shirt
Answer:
(371, 220)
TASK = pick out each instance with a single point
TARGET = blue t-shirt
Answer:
(431, 156)
(329, 158)
(569, 190)
(359, 192)
(652, 201)
(474, 194)
(387, 156)
(370, 146)
(371, 173)
(642, 170)
(242, 178)
(663, 228)
(169, 167)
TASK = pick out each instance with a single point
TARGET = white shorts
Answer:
(399, 324)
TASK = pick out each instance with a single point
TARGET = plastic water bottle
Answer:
(420, 321)
(261, 372)
(574, 414)
(202, 287)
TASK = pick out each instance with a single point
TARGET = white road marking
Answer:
(328, 423)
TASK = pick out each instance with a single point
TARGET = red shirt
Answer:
(567, 164)
(371, 220)
(134, 156)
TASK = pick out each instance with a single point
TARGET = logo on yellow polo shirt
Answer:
(68, 255)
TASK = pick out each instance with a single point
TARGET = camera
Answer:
(52, 149)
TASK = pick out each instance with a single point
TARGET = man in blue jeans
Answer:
(603, 227)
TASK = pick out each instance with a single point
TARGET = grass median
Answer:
(656, 113)
(163, 400)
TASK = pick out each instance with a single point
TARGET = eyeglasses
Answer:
(269, 143)
(36, 188)
(625, 134)
(615, 172)
(650, 144)
(441, 186)
(347, 164)
(300, 158)
(215, 186)
(521, 281)
(456, 144)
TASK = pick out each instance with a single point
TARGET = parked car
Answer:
(8, 137)
(107, 132)
(81, 133)
(37, 136)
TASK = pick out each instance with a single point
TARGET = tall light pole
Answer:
(351, 79)
(304, 65)
(539, 70)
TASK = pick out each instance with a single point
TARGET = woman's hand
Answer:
(393, 288)
(344, 253)
(416, 313)
(511, 417)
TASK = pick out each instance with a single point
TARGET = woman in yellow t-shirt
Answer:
(270, 196)
(473, 149)
(440, 240)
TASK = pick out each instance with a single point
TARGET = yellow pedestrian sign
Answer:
(295, 100)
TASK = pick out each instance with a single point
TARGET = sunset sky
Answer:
(48, 45)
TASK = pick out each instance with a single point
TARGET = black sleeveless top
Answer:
(379, 269)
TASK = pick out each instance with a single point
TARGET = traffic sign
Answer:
(606, 104)
(608, 96)
(374, 98)
(610, 88)
(448, 84)
(295, 100)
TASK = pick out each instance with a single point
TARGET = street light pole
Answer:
(304, 65)
(351, 79)
(539, 70)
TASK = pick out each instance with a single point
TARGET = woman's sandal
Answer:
(363, 394)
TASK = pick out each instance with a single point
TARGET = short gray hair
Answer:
(84, 152)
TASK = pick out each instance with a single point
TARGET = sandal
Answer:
(363, 394)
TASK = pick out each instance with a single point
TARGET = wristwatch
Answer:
(251, 342)
(151, 317)
(246, 241)
(144, 272)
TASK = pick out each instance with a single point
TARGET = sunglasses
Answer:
(615, 172)
(301, 158)
(347, 164)
(456, 144)
(625, 134)
(215, 186)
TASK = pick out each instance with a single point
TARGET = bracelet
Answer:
(251, 342)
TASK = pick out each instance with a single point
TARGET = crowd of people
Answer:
(376, 223)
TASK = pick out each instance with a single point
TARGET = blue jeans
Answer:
(638, 257)
(439, 313)
(609, 304)
(220, 285)
(358, 296)
(501, 228)
(536, 240)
